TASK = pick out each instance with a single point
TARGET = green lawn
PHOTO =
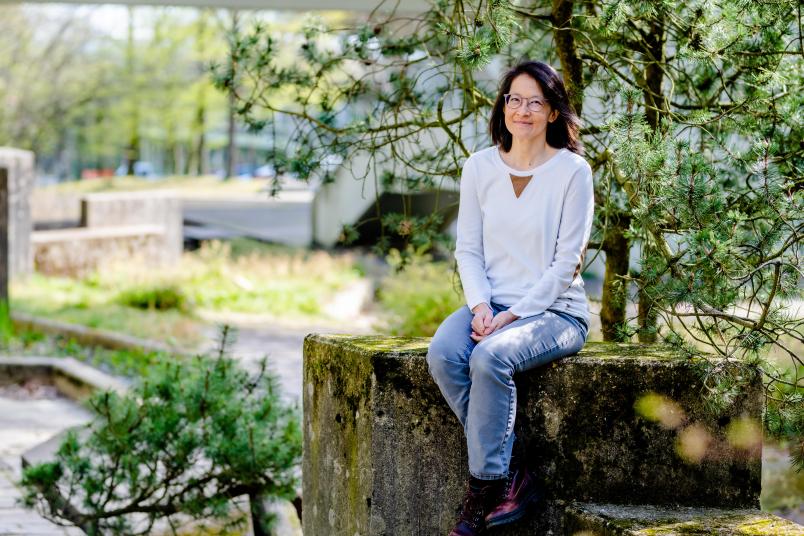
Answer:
(243, 278)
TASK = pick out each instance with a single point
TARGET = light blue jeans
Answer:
(477, 381)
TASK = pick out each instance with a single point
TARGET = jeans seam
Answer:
(533, 356)
(507, 433)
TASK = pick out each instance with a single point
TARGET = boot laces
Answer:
(474, 507)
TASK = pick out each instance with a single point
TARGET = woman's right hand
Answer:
(481, 323)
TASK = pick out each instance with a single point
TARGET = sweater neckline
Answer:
(521, 172)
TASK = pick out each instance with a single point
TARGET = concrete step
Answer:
(590, 519)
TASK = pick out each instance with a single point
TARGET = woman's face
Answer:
(523, 123)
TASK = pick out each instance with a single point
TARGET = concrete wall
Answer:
(160, 207)
(53, 210)
(351, 197)
(80, 251)
(342, 202)
(145, 225)
(20, 167)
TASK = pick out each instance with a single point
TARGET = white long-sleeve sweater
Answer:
(525, 252)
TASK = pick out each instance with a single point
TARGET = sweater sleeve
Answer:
(469, 240)
(573, 236)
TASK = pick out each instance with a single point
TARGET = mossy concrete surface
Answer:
(619, 520)
(383, 454)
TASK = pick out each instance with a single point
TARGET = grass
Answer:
(418, 296)
(242, 278)
(129, 363)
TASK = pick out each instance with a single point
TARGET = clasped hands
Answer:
(485, 322)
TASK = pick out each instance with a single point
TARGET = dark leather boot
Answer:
(481, 497)
(520, 491)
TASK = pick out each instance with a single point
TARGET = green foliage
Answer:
(125, 362)
(419, 294)
(159, 297)
(187, 438)
(692, 124)
(784, 412)
(6, 325)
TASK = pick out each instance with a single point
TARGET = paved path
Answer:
(283, 348)
(283, 343)
(285, 221)
(27, 418)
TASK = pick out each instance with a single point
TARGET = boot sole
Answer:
(515, 515)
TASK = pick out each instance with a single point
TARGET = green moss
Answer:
(417, 346)
(615, 350)
(372, 344)
(742, 525)
(349, 371)
(653, 521)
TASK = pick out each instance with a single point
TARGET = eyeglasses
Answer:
(514, 101)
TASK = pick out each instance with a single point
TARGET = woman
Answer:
(525, 214)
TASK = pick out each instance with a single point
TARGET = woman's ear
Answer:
(553, 116)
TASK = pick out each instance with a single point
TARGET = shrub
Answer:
(185, 440)
(159, 297)
(419, 294)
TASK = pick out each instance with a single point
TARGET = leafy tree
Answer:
(45, 84)
(79, 96)
(692, 119)
(183, 442)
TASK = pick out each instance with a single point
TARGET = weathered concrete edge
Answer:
(644, 520)
(388, 346)
(71, 377)
(351, 377)
(92, 336)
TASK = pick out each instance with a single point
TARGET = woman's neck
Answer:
(527, 154)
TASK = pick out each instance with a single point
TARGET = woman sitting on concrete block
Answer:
(525, 215)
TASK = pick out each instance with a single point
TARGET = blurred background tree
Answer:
(81, 96)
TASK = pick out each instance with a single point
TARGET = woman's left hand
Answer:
(500, 320)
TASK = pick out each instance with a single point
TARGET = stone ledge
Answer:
(383, 450)
(78, 234)
(640, 520)
(72, 378)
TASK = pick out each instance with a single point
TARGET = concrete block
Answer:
(21, 176)
(55, 209)
(383, 454)
(79, 251)
(120, 209)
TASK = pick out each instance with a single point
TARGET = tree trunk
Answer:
(261, 519)
(133, 148)
(656, 107)
(200, 120)
(647, 318)
(617, 249)
(231, 148)
(571, 64)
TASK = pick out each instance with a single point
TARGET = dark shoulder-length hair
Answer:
(563, 132)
